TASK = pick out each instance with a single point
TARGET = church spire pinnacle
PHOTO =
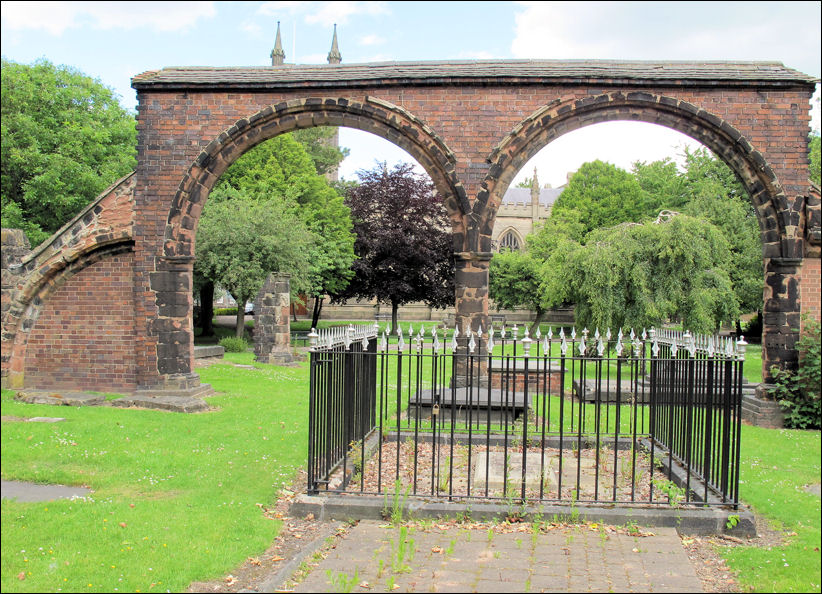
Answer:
(334, 56)
(277, 54)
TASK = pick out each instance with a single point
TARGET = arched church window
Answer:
(509, 241)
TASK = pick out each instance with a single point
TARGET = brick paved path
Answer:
(568, 559)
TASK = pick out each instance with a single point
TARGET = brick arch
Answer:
(778, 232)
(103, 229)
(36, 294)
(379, 117)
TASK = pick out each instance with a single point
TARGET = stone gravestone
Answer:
(272, 327)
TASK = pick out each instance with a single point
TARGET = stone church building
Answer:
(520, 212)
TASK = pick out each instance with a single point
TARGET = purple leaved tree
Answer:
(404, 246)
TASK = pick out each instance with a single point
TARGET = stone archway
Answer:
(471, 125)
(87, 251)
(780, 231)
(172, 282)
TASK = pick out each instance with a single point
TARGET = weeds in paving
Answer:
(632, 528)
(396, 512)
(341, 582)
(676, 494)
(450, 550)
(403, 553)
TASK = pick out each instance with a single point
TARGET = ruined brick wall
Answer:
(70, 311)
(84, 336)
(810, 287)
(186, 139)
(100, 230)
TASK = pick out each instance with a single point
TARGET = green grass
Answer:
(776, 466)
(186, 487)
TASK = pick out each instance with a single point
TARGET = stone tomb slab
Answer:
(495, 462)
(607, 391)
(478, 397)
(478, 403)
(33, 492)
(60, 398)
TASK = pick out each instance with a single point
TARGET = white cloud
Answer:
(477, 55)
(330, 13)
(279, 8)
(788, 32)
(376, 58)
(251, 28)
(323, 13)
(619, 143)
(312, 59)
(56, 17)
(371, 40)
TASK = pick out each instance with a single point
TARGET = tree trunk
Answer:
(318, 307)
(240, 330)
(394, 308)
(207, 309)
(540, 313)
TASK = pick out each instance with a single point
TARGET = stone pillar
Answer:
(272, 324)
(471, 284)
(781, 317)
(172, 283)
(15, 247)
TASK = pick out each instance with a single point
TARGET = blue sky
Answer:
(114, 41)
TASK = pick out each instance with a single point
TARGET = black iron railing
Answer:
(500, 416)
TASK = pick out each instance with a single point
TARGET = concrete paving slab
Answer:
(507, 562)
(32, 492)
(60, 398)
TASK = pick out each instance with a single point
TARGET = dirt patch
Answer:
(705, 555)
(584, 475)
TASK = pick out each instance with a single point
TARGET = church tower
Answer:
(277, 54)
(534, 201)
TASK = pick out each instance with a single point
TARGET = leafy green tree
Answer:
(65, 138)
(282, 168)
(708, 189)
(514, 281)
(241, 240)
(604, 195)
(318, 142)
(665, 187)
(636, 275)
(537, 277)
(814, 152)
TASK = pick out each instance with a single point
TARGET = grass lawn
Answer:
(176, 496)
(776, 466)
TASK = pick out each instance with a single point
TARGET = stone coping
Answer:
(702, 521)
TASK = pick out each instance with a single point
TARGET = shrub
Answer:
(800, 393)
(225, 311)
(232, 344)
